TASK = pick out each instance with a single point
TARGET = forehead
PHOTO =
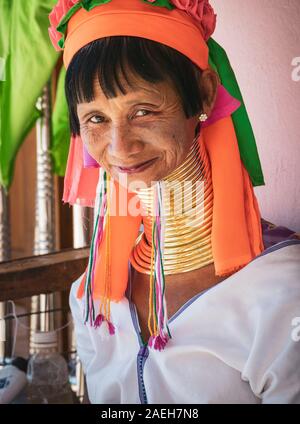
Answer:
(135, 89)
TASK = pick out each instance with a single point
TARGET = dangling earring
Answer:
(203, 117)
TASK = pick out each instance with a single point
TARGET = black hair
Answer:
(111, 57)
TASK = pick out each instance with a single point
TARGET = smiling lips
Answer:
(137, 168)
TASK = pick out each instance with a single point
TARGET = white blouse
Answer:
(237, 342)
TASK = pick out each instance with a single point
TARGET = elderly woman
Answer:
(180, 302)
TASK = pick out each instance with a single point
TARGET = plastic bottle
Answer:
(47, 373)
(12, 380)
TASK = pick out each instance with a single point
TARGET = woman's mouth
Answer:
(137, 168)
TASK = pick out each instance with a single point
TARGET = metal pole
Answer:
(44, 238)
(82, 227)
(82, 218)
(6, 327)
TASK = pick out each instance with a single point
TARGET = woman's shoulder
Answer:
(268, 281)
(279, 263)
(75, 284)
(74, 302)
(273, 234)
(274, 275)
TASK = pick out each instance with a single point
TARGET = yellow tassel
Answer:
(107, 262)
(150, 297)
(151, 303)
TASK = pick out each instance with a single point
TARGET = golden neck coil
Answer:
(188, 209)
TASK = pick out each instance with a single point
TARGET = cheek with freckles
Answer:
(176, 148)
(93, 141)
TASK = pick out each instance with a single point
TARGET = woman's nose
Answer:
(123, 143)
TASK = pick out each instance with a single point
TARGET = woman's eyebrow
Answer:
(143, 96)
(131, 102)
(140, 102)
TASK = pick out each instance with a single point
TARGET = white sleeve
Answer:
(281, 381)
(273, 365)
(84, 341)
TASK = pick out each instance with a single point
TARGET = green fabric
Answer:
(29, 59)
(60, 141)
(247, 145)
(160, 3)
(87, 5)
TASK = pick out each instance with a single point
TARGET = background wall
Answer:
(261, 38)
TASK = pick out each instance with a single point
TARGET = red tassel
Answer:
(98, 321)
(111, 328)
(158, 342)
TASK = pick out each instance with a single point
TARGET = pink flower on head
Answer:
(55, 36)
(201, 11)
(60, 10)
(56, 15)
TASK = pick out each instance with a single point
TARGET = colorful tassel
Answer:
(157, 302)
(102, 219)
(160, 333)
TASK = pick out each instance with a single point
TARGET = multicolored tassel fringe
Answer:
(102, 219)
(160, 334)
(159, 330)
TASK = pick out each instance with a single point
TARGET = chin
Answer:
(138, 180)
(133, 182)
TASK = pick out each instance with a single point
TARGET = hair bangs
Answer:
(113, 62)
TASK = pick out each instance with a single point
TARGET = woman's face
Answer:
(146, 124)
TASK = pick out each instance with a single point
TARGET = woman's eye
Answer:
(96, 119)
(142, 112)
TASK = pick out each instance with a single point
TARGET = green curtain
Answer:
(27, 59)
(60, 140)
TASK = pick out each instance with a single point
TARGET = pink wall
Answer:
(262, 38)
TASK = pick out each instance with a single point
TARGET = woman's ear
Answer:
(209, 83)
